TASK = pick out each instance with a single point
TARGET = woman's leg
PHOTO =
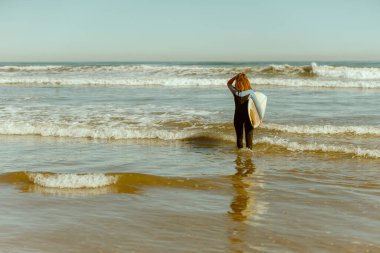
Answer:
(248, 134)
(239, 126)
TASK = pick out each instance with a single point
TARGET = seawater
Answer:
(141, 157)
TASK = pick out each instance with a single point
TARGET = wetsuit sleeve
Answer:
(229, 85)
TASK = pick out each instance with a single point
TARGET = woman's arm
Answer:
(231, 81)
(229, 84)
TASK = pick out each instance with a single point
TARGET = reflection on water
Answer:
(242, 202)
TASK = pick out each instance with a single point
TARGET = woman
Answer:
(242, 91)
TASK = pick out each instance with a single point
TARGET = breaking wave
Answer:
(317, 83)
(121, 182)
(340, 72)
(203, 133)
(222, 131)
(312, 75)
(346, 72)
(111, 81)
(72, 180)
(191, 70)
(45, 129)
(326, 129)
(285, 69)
(319, 147)
(185, 82)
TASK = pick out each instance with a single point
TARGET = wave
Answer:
(314, 70)
(283, 75)
(221, 131)
(317, 83)
(122, 182)
(147, 69)
(57, 180)
(112, 81)
(326, 129)
(209, 134)
(318, 147)
(15, 68)
(202, 71)
(285, 69)
(179, 131)
(44, 81)
(346, 72)
(167, 130)
(46, 129)
(72, 180)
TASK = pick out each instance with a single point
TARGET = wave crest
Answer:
(285, 69)
(178, 70)
(325, 129)
(45, 129)
(98, 183)
(319, 147)
(343, 72)
(74, 181)
(286, 75)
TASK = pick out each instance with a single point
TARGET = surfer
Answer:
(241, 92)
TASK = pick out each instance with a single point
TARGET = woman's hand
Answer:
(233, 79)
(230, 82)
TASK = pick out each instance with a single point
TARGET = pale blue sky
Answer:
(192, 30)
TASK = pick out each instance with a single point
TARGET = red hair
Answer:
(242, 82)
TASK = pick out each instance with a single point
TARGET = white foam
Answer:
(326, 129)
(317, 83)
(189, 75)
(94, 81)
(357, 73)
(182, 82)
(346, 72)
(31, 68)
(111, 132)
(46, 129)
(147, 69)
(295, 146)
(73, 181)
(191, 133)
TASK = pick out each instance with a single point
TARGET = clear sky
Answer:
(189, 30)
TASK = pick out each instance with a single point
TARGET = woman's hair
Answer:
(242, 83)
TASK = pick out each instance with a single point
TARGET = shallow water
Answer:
(87, 166)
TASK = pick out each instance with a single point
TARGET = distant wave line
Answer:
(312, 70)
(180, 82)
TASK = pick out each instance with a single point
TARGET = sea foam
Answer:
(324, 129)
(182, 82)
(312, 75)
(73, 181)
(346, 72)
(319, 147)
(46, 129)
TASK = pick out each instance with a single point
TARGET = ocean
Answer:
(141, 157)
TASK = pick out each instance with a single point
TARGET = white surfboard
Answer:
(256, 109)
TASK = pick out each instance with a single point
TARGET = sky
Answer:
(189, 30)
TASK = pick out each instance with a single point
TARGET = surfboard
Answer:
(256, 108)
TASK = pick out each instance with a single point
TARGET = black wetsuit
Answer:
(242, 122)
